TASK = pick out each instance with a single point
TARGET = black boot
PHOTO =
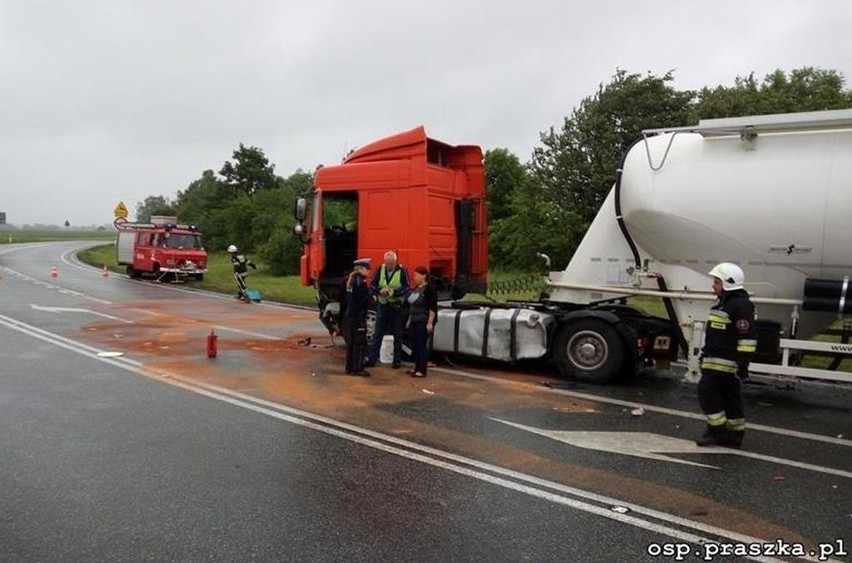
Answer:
(713, 436)
(734, 438)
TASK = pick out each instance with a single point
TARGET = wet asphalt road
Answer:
(102, 460)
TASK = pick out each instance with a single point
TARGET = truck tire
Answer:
(133, 272)
(198, 277)
(589, 350)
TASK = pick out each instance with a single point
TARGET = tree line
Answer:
(543, 205)
(246, 204)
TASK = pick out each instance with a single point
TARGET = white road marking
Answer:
(105, 302)
(649, 446)
(78, 310)
(57, 287)
(70, 258)
(651, 520)
(651, 408)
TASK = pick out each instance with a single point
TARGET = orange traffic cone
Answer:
(54, 273)
(105, 273)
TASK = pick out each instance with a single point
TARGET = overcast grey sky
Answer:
(114, 100)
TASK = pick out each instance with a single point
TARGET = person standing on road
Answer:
(358, 301)
(422, 315)
(729, 342)
(241, 265)
(389, 287)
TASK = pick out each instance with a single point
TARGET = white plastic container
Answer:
(386, 351)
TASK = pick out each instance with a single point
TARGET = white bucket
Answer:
(386, 351)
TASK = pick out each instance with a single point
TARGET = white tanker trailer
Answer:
(771, 193)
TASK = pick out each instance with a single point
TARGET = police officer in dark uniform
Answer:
(729, 342)
(358, 302)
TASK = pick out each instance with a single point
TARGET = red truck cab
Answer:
(409, 193)
(162, 247)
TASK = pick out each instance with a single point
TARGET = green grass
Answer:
(499, 290)
(8, 236)
(219, 277)
(822, 363)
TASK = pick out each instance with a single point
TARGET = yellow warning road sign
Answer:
(120, 210)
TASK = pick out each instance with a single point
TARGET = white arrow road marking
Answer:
(77, 310)
(838, 441)
(650, 446)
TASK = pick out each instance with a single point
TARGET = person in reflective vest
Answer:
(729, 342)
(389, 287)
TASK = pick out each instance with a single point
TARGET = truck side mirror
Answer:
(300, 230)
(301, 209)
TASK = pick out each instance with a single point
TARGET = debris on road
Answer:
(428, 392)
(110, 354)
(637, 411)
(620, 509)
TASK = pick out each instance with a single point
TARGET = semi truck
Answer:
(772, 193)
(161, 248)
(420, 197)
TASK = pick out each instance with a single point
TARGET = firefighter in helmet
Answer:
(241, 265)
(729, 343)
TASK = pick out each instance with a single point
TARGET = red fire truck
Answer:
(161, 248)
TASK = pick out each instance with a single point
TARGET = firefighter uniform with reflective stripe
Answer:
(729, 342)
(240, 265)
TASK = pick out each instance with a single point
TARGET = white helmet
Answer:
(732, 276)
(232, 248)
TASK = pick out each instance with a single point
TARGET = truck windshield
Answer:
(173, 240)
(340, 210)
(339, 216)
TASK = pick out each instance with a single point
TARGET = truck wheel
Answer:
(589, 350)
(133, 272)
(198, 277)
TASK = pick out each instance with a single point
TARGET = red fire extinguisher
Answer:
(211, 344)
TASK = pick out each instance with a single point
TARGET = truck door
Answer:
(315, 249)
(142, 252)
